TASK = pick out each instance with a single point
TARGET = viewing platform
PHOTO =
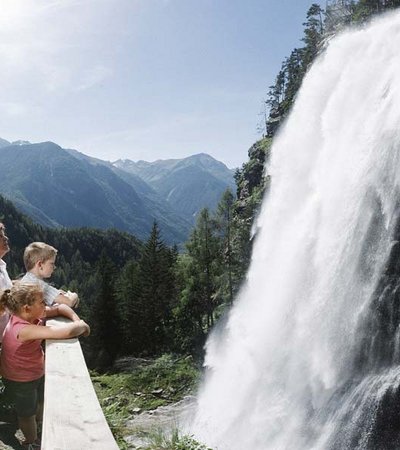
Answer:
(73, 418)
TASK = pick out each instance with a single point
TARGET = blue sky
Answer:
(142, 79)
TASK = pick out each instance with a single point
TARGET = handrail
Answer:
(73, 418)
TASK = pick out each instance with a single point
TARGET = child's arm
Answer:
(61, 310)
(70, 299)
(69, 330)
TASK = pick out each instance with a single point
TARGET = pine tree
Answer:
(224, 221)
(157, 291)
(204, 267)
(281, 95)
(313, 34)
(274, 100)
(130, 308)
(105, 339)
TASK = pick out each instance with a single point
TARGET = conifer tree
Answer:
(282, 94)
(130, 308)
(204, 268)
(105, 338)
(157, 291)
(313, 34)
(224, 221)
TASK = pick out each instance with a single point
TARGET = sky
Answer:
(143, 79)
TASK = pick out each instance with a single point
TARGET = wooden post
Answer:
(73, 418)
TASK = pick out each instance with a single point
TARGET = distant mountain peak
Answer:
(202, 155)
(121, 161)
(187, 184)
(20, 142)
(197, 157)
(4, 143)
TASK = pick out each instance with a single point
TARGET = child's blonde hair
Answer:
(38, 251)
(19, 295)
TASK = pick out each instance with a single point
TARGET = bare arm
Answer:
(67, 331)
(70, 299)
(61, 310)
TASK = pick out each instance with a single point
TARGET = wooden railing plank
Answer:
(73, 418)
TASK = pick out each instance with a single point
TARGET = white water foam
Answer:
(290, 340)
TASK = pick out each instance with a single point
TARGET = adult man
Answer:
(5, 282)
(7, 413)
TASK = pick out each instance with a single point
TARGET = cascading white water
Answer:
(288, 371)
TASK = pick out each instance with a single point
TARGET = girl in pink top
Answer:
(22, 358)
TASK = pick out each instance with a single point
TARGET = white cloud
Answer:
(94, 76)
(13, 109)
(42, 43)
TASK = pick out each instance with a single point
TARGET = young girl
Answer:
(22, 357)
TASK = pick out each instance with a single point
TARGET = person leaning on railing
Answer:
(5, 282)
(40, 262)
(22, 357)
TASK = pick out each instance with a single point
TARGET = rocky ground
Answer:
(165, 419)
(8, 438)
(140, 399)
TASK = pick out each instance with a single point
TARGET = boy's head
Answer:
(40, 257)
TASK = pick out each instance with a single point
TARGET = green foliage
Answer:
(281, 95)
(224, 222)
(252, 183)
(313, 34)
(58, 187)
(145, 299)
(78, 249)
(364, 9)
(127, 293)
(148, 385)
(199, 270)
(318, 25)
(159, 440)
(105, 339)
(146, 294)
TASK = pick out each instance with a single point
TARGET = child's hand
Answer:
(73, 296)
(86, 332)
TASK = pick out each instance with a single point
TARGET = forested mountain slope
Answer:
(58, 189)
(187, 184)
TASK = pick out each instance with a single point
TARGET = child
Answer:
(39, 260)
(22, 357)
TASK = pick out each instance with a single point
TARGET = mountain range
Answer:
(188, 184)
(63, 187)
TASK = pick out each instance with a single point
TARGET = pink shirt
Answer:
(21, 361)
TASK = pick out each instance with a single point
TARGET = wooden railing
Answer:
(73, 419)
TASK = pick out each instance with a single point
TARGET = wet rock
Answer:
(157, 392)
(135, 410)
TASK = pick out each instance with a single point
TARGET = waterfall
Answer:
(309, 357)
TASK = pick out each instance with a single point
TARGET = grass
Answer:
(146, 387)
(158, 440)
